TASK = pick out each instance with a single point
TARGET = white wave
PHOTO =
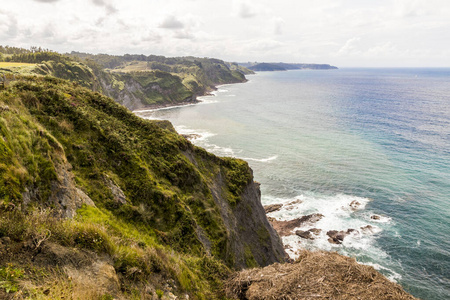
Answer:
(259, 160)
(143, 111)
(197, 134)
(390, 274)
(340, 212)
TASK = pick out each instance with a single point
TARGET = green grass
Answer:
(9, 276)
(46, 121)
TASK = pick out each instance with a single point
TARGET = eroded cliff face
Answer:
(253, 241)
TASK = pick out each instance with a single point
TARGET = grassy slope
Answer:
(134, 81)
(45, 121)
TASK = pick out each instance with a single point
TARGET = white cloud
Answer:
(278, 24)
(344, 33)
(351, 46)
(46, 1)
(110, 9)
(245, 9)
(171, 22)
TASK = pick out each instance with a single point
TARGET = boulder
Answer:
(284, 228)
(272, 207)
(367, 229)
(304, 234)
(375, 217)
(355, 205)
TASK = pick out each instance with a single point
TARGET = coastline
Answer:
(341, 235)
(197, 100)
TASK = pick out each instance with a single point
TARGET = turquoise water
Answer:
(380, 137)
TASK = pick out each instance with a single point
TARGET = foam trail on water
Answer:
(260, 160)
(194, 134)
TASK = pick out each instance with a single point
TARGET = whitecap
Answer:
(197, 134)
(389, 273)
(259, 160)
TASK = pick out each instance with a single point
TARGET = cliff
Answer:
(285, 66)
(135, 81)
(92, 195)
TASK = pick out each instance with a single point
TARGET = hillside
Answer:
(97, 203)
(122, 205)
(135, 81)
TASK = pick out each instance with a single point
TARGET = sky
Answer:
(344, 33)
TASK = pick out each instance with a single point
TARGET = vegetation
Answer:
(57, 137)
(136, 81)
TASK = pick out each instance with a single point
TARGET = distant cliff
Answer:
(285, 66)
(136, 81)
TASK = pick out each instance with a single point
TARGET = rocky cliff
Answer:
(82, 177)
(135, 81)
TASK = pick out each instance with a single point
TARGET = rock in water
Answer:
(284, 228)
(304, 234)
(355, 205)
(272, 207)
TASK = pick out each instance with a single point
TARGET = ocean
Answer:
(379, 138)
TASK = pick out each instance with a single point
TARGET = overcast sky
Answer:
(345, 33)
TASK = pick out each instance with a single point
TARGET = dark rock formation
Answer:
(336, 237)
(355, 205)
(284, 228)
(272, 207)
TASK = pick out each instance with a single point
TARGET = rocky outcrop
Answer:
(118, 195)
(272, 207)
(337, 237)
(308, 234)
(66, 196)
(253, 241)
(285, 228)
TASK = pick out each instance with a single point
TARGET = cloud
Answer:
(278, 24)
(350, 46)
(46, 1)
(152, 37)
(171, 22)
(184, 35)
(109, 8)
(9, 26)
(246, 11)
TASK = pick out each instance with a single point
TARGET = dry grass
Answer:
(13, 64)
(315, 275)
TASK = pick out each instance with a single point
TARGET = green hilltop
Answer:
(135, 81)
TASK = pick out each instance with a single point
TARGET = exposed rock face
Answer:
(66, 196)
(117, 192)
(272, 207)
(248, 229)
(284, 228)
